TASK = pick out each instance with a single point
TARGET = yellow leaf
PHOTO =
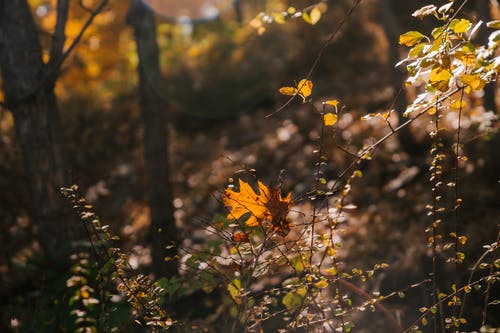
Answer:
(493, 24)
(458, 104)
(330, 119)
(234, 290)
(84, 293)
(304, 88)
(439, 74)
(459, 25)
(292, 300)
(289, 91)
(410, 38)
(302, 291)
(332, 102)
(315, 15)
(256, 22)
(474, 81)
(321, 284)
(322, 6)
(306, 17)
(279, 18)
(331, 271)
(432, 110)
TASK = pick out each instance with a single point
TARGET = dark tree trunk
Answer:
(153, 109)
(388, 20)
(34, 107)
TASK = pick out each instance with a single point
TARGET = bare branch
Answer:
(59, 37)
(54, 65)
(82, 5)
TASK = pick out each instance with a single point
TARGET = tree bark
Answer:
(37, 126)
(162, 229)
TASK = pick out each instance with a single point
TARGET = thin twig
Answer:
(327, 43)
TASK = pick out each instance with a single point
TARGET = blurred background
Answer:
(210, 87)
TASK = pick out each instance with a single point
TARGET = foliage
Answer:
(142, 294)
(278, 258)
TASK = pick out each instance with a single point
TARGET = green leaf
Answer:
(234, 290)
(493, 24)
(292, 300)
(436, 32)
(459, 26)
(417, 50)
(297, 264)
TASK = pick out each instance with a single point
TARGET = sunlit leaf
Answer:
(416, 50)
(332, 102)
(267, 204)
(459, 26)
(297, 264)
(289, 91)
(446, 7)
(330, 119)
(279, 18)
(331, 271)
(321, 284)
(432, 110)
(306, 17)
(410, 38)
(305, 88)
(458, 104)
(439, 74)
(474, 81)
(437, 32)
(247, 201)
(256, 22)
(234, 290)
(292, 300)
(315, 15)
(493, 24)
(424, 11)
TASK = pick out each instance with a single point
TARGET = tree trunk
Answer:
(34, 108)
(162, 229)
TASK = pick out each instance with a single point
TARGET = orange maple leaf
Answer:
(267, 204)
